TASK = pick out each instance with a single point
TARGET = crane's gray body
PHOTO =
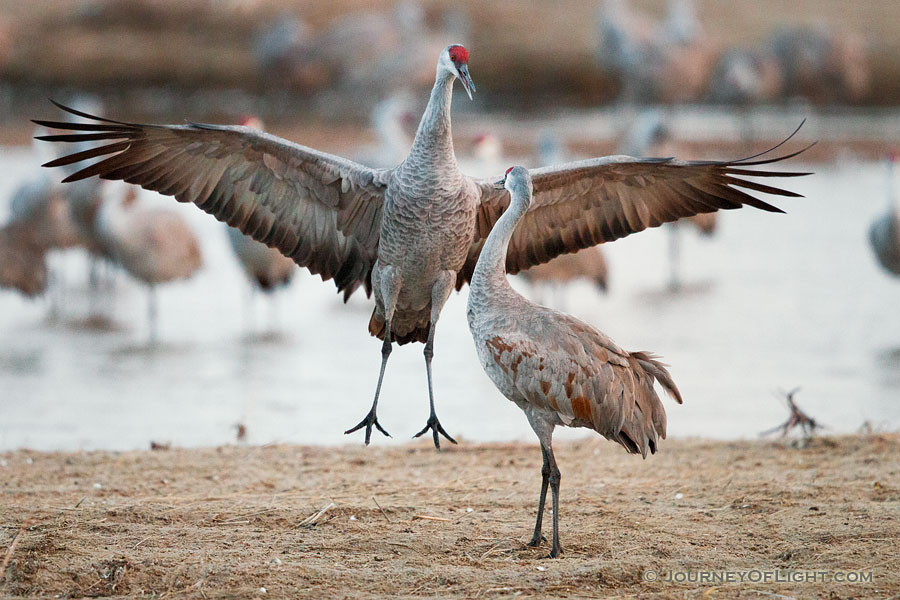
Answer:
(559, 370)
(427, 225)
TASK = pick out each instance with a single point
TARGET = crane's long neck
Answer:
(490, 271)
(433, 145)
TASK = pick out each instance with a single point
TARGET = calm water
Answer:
(772, 302)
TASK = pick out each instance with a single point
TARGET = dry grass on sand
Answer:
(355, 522)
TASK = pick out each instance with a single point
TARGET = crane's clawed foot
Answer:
(536, 541)
(555, 551)
(435, 426)
(368, 422)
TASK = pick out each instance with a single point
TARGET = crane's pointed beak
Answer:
(500, 185)
(466, 80)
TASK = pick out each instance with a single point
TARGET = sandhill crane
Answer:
(411, 233)
(884, 234)
(23, 263)
(668, 62)
(648, 135)
(821, 64)
(153, 245)
(745, 76)
(557, 369)
(266, 267)
(365, 54)
(485, 156)
(589, 264)
(390, 119)
(40, 220)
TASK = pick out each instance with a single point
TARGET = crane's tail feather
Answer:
(659, 372)
(418, 333)
(640, 434)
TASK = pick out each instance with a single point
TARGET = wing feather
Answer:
(584, 203)
(321, 210)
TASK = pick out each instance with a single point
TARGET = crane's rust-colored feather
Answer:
(585, 203)
(321, 210)
(586, 379)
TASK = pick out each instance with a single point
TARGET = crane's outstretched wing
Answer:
(321, 210)
(584, 203)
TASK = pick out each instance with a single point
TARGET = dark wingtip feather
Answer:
(777, 146)
(743, 162)
(84, 115)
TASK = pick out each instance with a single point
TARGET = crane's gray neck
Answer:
(433, 144)
(490, 271)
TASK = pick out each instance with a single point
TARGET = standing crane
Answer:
(265, 267)
(411, 233)
(884, 234)
(153, 245)
(646, 136)
(590, 263)
(40, 220)
(557, 369)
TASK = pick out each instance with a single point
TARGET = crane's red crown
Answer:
(509, 169)
(459, 55)
(251, 121)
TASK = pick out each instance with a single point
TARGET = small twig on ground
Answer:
(141, 542)
(387, 518)
(12, 546)
(429, 518)
(797, 418)
(313, 519)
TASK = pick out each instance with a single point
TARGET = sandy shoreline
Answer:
(226, 522)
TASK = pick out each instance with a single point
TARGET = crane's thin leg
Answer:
(274, 311)
(674, 256)
(556, 549)
(390, 292)
(152, 311)
(543, 427)
(439, 294)
(372, 419)
(545, 480)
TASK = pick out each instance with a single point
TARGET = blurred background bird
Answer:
(884, 234)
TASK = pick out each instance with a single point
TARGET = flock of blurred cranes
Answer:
(675, 60)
